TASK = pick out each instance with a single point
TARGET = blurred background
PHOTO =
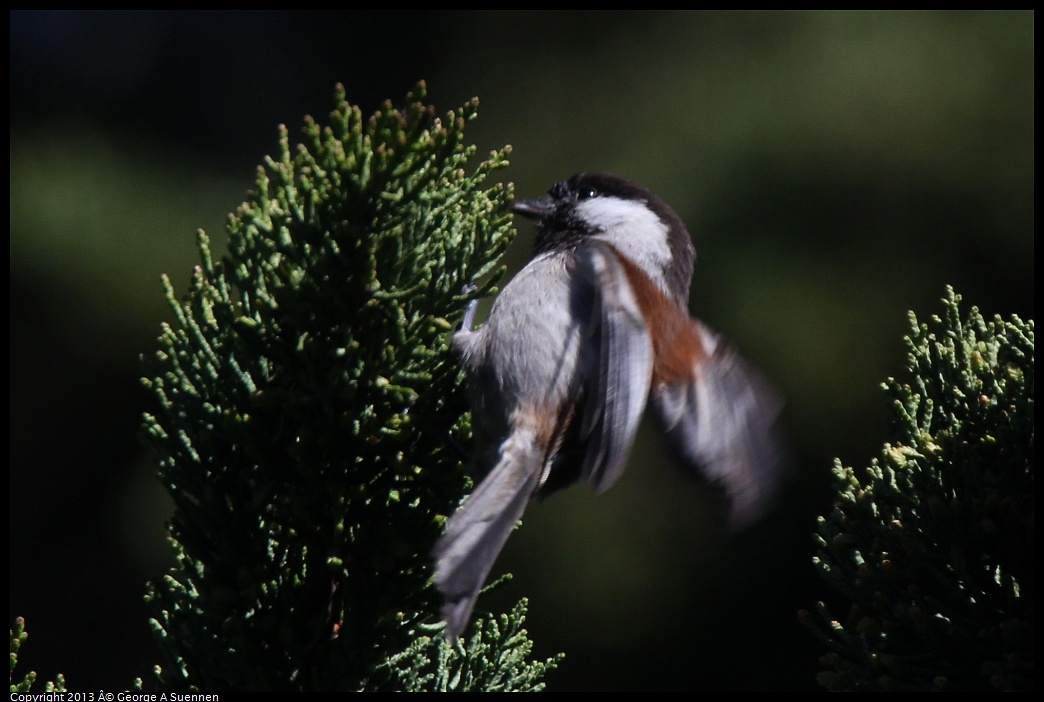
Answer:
(836, 170)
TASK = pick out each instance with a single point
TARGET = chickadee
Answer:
(575, 344)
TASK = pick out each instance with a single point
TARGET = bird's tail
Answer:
(478, 531)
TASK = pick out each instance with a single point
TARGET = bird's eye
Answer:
(585, 193)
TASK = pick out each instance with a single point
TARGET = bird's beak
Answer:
(538, 210)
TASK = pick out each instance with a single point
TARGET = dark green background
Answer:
(835, 169)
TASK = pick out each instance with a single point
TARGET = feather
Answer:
(617, 393)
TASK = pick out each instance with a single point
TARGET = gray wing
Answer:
(617, 393)
(724, 425)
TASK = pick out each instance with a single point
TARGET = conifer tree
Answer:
(311, 427)
(931, 546)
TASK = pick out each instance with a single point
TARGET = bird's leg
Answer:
(469, 311)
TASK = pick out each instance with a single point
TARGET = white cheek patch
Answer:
(633, 229)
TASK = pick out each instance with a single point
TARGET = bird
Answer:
(576, 345)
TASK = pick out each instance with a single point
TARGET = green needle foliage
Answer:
(25, 683)
(311, 419)
(932, 545)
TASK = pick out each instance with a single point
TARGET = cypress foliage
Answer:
(24, 684)
(932, 544)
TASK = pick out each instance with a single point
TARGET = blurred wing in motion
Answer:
(723, 424)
